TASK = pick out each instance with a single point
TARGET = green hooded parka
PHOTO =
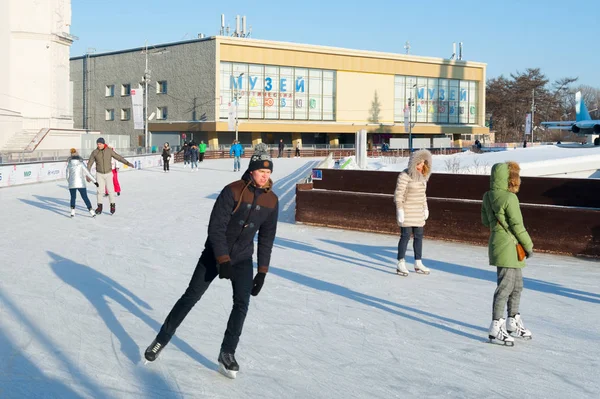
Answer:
(501, 205)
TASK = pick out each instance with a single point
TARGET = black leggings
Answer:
(241, 283)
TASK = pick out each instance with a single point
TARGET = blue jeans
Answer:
(236, 163)
(83, 193)
(194, 164)
(417, 242)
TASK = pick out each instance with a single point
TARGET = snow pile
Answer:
(535, 161)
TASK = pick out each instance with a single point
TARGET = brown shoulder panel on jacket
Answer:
(267, 200)
(236, 188)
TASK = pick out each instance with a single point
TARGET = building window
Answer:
(161, 87)
(109, 91)
(161, 113)
(125, 114)
(276, 92)
(438, 100)
(109, 115)
(126, 89)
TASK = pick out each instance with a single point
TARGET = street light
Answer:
(410, 124)
(237, 98)
(146, 80)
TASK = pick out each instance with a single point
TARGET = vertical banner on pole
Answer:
(137, 105)
(231, 115)
(406, 119)
(528, 124)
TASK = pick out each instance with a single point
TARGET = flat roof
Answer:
(248, 42)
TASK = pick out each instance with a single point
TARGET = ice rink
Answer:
(80, 299)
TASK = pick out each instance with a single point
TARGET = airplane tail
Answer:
(582, 113)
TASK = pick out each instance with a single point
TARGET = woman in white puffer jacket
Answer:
(411, 208)
(76, 176)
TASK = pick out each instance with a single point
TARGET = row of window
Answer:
(109, 90)
(109, 115)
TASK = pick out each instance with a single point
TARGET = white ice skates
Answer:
(515, 327)
(421, 268)
(401, 269)
(498, 334)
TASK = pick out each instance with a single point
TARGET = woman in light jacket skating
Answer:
(411, 209)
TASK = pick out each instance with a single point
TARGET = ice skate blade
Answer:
(419, 271)
(525, 338)
(496, 341)
(227, 373)
(403, 274)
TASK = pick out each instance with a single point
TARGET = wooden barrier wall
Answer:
(561, 215)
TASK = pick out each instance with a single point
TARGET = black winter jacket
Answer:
(241, 210)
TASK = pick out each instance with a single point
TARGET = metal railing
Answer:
(9, 158)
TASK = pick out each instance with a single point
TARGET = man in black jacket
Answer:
(243, 208)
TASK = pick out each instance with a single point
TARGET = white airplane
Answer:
(583, 125)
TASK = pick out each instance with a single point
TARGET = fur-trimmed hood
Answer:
(415, 159)
(506, 176)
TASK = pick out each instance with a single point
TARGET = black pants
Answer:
(297, 152)
(203, 276)
(166, 164)
(201, 156)
(83, 193)
(417, 242)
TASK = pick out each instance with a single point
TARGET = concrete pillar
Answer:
(333, 139)
(256, 138)
(296, 137)
(213, 141)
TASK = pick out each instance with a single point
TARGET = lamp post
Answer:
(237, 99)
(146, 81)
(410, 124)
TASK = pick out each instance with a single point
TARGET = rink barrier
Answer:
(39, 172)
(561, 215)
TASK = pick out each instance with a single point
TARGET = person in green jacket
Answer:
(202, 150)
(502, 214)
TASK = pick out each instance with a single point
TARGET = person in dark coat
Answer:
(281, 148)
(194, 155)
(243, 208)
(166, 156)
(186, 154)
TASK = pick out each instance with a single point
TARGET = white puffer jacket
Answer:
(411, 187)
(77, 172)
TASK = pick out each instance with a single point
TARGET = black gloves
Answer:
(258, 282)
(226, 270)
(528, 254)
(96, 184)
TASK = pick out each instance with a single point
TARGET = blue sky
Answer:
(559, 37)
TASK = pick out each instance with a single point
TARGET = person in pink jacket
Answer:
(115, 172)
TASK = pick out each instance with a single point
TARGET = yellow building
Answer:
(323, 95)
